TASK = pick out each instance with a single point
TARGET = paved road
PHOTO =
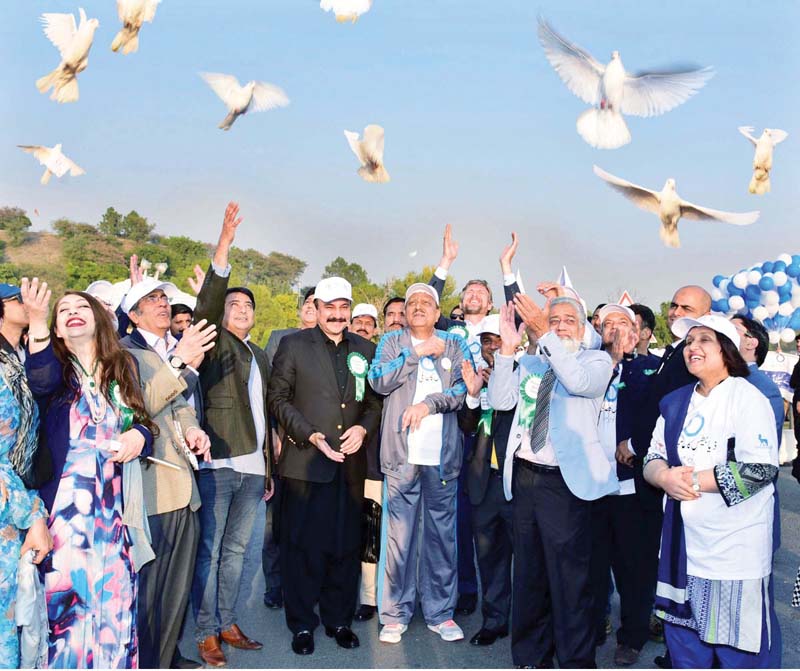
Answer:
(423, 649)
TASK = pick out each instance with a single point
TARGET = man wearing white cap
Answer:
(419, 371)
(320, 399)
(171, 495)
(364, 320)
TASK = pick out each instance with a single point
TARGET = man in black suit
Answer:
(319, 396)
(486, 434)
(688, 301)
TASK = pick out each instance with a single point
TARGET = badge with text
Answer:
(357, 363)
(459, 330)
(528, 390)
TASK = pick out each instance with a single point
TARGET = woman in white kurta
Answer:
(714, 453)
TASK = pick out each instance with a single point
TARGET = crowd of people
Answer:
(539, 454)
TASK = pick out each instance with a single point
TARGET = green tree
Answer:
(110, 223)
(662, 332)
(448, 299)
(135, 227)
(352, 272)
(16, 222)
(9, 273)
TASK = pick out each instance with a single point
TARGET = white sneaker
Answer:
(448, 630)
(392, 633)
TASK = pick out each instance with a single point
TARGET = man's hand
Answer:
(197, 339)
(36, 299)
(617, 350)
(131, 446)
(509, 333)
(473, 380)
(230, 222)
(624, 454)
(199, 443)
(413, 416)
(432, 347)
(318, 440)
(449, 249)
(351, 440)
(39, 540)
(277, 444)
(530, 313)
(269, 489)
(196, 282)
(508, 254)
(550, 290)
(135, 270)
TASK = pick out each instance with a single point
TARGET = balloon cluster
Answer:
(769, 292)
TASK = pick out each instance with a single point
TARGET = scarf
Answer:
(671, 597)
(23, 452)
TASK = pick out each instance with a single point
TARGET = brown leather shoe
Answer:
(211, 652)
(236, 638)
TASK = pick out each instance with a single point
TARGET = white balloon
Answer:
(723, 286)
(760, 313)
(772, 309)
(796, 297)
(740, 280)
(770, 297)
(716, 294)
(753, 276)
(786, 258)
(787, 335)
(780, 278)
(785, 309)
(736, 302)
(774, 337)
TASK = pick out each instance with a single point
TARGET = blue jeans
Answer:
(227, 516)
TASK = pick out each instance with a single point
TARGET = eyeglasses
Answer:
(456, 315)
(155, 299)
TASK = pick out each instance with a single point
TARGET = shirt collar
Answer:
(152, 339)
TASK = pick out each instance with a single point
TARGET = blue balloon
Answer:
(781, 321)
(766, 283)
(794, 322)
(784, 297)
(723, 306)
(752, 303)
(778, 266)
(796, 259)
(717, 280)
(766, 267)
(793, 269)
(752, 291)
(734, 290)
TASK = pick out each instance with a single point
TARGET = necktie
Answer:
(540, 421)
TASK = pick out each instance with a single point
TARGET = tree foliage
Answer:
(15, 221)
(352, 272)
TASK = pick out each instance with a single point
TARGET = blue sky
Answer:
(480, 132)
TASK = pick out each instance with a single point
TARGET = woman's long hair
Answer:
(732, 358)
(117, 364)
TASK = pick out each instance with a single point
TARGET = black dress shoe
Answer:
(487, 636)
(181, 662)
(663, 661)
(303, 643)
(364, 613)
(345, 638)
(466, 604)
(273, 599)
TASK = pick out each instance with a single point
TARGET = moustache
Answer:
(334, 320)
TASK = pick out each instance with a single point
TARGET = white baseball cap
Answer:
(333, 288)
(419, 287)
(718, 323)
(104, 292)
(616, 307)
(365, 310)
(147, 286)
(182, 298)
(490, 324)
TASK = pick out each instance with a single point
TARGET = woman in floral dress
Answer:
(95, 427)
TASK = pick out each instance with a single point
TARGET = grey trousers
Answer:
(164, 586)
(437, 581)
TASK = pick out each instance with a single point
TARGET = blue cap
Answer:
(9, 291)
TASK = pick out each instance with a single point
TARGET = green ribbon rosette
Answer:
(459, 331)
(485, 422)
(357, 363)
(528, 389)
(125, 411)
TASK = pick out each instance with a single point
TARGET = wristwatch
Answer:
(176, 362)
(696, 481)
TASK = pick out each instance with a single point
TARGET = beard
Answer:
(571, 345)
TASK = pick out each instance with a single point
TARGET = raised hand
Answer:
(449, 248)
(135, 270)
(196, 340)
(550, 290)
(508, 254)
(473, 380)
(36, 299)
(196, 282)
(531, 314)
(509, 333)
(230, 222)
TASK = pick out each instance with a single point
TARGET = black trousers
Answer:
(552, 599)
(320, 551)
(617, 527)
(164, 586)
(492, 526)
(270, 551)
(651, 503)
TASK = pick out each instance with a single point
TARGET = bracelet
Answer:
(40, 340)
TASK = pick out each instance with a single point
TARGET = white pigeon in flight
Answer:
(615, 92)
(252, 97)
(53, 160)
(670, 207)
(762, 161)
(346, 10)
(132, 13)
(73, 43)
(370, 152)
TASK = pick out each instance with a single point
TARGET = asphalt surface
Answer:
(421, 648)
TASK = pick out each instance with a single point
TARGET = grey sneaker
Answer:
(448, 630)
(625, 656)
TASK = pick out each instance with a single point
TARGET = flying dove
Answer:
(762, 161)
(670, 207)
(53, 160)
(73, 43)
(615, 92)
(132, 13)
(346, 10)
(370, 152)
(252, 97)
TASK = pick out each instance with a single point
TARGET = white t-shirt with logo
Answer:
(607, 428)
(425, 444)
